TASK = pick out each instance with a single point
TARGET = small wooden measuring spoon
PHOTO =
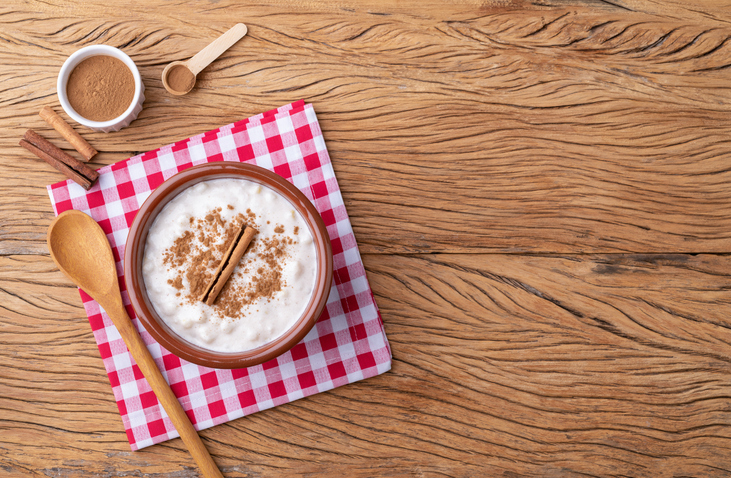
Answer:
(183, 73)
(80, 249)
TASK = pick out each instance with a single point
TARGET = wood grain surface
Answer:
(541, 192)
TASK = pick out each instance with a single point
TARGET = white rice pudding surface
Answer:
(261, 318)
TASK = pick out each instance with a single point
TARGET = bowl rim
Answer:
(137, 238)
(77, 57)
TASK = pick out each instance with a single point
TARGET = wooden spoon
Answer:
(186, 79)
(80, 249)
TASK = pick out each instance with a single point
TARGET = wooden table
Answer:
(542, 196)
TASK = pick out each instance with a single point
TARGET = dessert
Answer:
(271, 285)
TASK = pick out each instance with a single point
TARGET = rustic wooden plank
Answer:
(568, 365)
(570, 127)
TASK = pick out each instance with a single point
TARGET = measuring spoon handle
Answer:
(216, 48)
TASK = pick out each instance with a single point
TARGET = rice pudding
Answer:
(268, 291)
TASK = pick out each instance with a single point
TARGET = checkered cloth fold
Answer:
(348, 342)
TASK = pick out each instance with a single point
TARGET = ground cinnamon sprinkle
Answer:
(177, 283)
(176, 255)
(197, 252)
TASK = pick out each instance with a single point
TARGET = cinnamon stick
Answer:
(69, 134)
(68, 172)
(228, 263)
(71, 167)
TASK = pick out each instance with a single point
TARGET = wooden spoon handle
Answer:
(216, 48)
(165, 395)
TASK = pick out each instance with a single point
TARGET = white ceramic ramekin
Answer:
(117, 123)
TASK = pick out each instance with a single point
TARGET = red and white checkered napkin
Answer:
(347, 344)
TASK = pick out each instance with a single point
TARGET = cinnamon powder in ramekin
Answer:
(101, 88)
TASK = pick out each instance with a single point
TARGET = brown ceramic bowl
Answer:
(135, 248)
